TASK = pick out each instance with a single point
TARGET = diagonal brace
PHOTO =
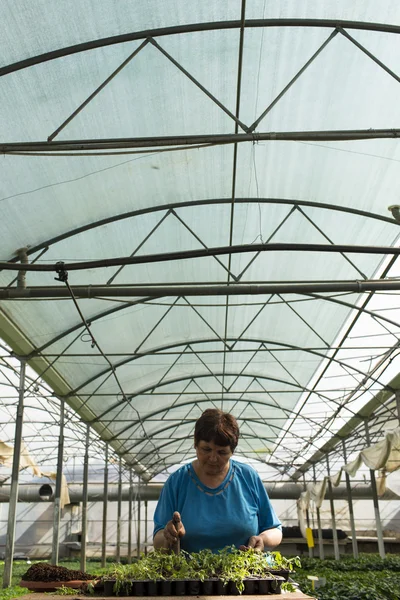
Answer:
(369, 54)
(292, 81)
(97, 90)
(199, 85)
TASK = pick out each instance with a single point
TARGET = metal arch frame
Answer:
(361, 310)
(188, 343)
(186, 453)
(205, 202)
(188, 421)
(205, 252)
(393, 384)
(184, 438)
(79, 325)
(287, 412)
(337, 24)
(196, 27)
(168, 208)
(193, 378)
(143, 391)
(154, 466)
(339, 302)
(201, 401)
(126, 305)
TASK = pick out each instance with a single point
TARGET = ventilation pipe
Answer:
(276, 491)
(29, 493)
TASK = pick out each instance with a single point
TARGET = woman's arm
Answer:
(271, 537)
(268, 539)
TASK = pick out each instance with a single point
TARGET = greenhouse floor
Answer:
(288, 596)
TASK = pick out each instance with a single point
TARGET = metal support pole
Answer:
(130, 517)
(310, 550)
(397, 394)
(57, 499)
(145, 527)
(119, 511)
(105, 507)
(12, 507)
(138, 526)
(85, 501)
(350, 503)
(334, 532)
(320, 540)
(379, 532)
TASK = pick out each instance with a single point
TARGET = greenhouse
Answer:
(200, 210)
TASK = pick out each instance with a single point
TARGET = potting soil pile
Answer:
(45, 572)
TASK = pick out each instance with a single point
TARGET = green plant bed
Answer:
(365, 562)
(367, 578)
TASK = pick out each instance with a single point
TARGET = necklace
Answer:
(203, 488)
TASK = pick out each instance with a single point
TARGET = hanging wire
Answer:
(63, 276)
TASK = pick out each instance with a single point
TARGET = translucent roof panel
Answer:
(216, 179)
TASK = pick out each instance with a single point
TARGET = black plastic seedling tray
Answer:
(194, 587)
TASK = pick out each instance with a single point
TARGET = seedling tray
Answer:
(194, 587)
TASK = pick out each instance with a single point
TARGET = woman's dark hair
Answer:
(216, 426)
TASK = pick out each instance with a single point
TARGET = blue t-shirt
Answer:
(216, 517)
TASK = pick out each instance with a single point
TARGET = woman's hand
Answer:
(256, 542)
(174, 529)
(268, 539)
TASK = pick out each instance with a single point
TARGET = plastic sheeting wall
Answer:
(34, 524)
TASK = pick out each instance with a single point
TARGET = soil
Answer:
(45, 572)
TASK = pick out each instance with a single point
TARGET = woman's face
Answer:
(213, 459)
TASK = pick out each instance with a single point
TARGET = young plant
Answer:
(64, 591)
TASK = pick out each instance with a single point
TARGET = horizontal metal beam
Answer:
(196, 140)
(201, 253)
(276, 491)
(93, 291)
(194, 27)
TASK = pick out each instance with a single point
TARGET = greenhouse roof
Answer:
(209, 182)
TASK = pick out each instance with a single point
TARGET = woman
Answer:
(215, 501)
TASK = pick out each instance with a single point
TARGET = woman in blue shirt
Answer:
(215, 501)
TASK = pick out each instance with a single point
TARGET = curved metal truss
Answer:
(210, 200)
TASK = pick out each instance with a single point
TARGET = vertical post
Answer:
(379, 532)
(85, 501)
(350, 503)
(130, 518)
(119, 511)
(145, 527)
(57, 499)
(397, 395)
(12, 507)
(320, 540)
(310, 550)
(334, 532)
(105, 507)
(139, 523)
